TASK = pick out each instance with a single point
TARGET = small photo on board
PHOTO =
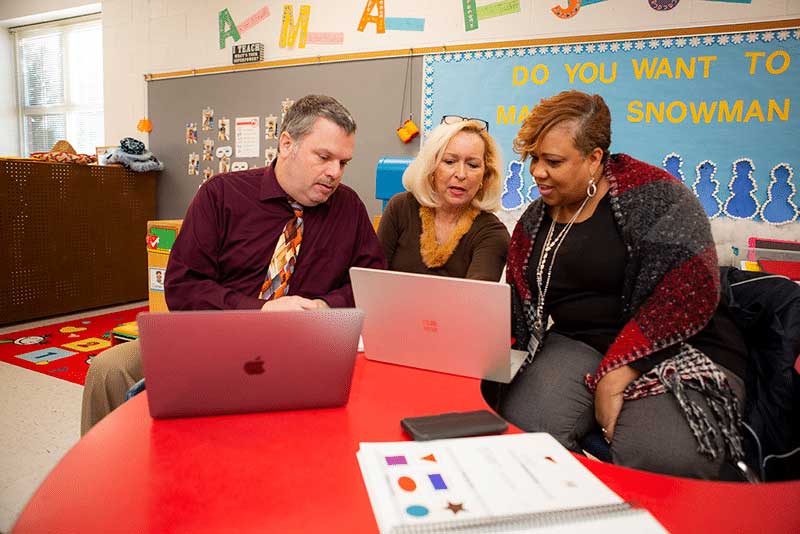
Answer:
(191, 133)
(271, 127)
(208, 146)
(157, 278)
(208, 119)
(224, 133)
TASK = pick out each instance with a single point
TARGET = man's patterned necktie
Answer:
(281, 266)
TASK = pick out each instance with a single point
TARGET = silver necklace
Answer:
(542, 284)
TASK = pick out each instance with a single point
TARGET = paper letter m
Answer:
(289, 29)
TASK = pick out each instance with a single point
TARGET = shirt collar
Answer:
(270, 188)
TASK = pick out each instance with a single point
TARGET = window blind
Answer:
(60, 73)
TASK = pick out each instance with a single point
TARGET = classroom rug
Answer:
(63, 350)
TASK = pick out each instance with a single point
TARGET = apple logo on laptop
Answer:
(254, 367)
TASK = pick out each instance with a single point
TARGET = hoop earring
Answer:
(592, 189)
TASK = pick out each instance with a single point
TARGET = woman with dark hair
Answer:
(617, 258)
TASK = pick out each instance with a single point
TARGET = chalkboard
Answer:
(373, 91)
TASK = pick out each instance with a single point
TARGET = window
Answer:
(60, 77)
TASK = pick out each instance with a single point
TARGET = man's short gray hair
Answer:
(304, 113)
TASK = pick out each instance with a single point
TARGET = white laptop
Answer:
(452, 325)
(224, 362)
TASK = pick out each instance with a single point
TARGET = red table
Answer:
(297, 471)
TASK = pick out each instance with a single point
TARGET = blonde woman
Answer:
(444, 224)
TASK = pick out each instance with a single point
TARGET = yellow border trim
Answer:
(404, 52)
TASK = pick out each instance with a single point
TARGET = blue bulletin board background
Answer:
(739, 155)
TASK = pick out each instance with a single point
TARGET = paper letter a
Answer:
(379, 19)
(226, 19)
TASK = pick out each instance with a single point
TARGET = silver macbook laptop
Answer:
(224, 362)
(452, 325)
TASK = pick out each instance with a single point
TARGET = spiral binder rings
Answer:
(507, 483)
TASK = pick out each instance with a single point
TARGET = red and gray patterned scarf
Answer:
(670, 292)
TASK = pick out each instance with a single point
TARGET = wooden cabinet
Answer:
(73, 237)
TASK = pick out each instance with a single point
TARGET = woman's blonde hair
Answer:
(418, 177)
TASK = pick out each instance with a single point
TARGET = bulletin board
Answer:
(373, 91)
(720, 110)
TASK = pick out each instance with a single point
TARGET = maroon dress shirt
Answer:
(220, 257)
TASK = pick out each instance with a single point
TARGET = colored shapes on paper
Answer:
(405, 24)
(437, 481)
(396, 460)
(429, 458)
(407, 483)
(45, 355)
(417, 510)
(325, 37)
(88, 345)
(498, 9)
(253, 19)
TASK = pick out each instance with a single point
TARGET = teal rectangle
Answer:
(733, 1)
(45, 355)
(585, 3)
(405, 24)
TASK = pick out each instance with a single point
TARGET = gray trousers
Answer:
(110, 376)
(549, 395)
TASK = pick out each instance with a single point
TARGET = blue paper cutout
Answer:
(45, 355)
(673, 164)
(706, 188)
(742, 203)
(780, 209)
(417, 510)
(437, 481)
(533, 191)
(512, 189)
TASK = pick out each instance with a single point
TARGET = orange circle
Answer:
(407, 483)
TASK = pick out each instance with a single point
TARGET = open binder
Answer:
(506, 483)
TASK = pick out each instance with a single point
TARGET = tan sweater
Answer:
(480, 253)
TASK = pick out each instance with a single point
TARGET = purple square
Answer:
(396, 460)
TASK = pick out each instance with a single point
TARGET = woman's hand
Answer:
(608, 398)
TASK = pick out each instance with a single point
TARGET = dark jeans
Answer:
(549, 395)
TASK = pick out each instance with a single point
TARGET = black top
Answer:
(584, 298)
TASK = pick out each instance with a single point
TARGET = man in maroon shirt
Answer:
(221, 256)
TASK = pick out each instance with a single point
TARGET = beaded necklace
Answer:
(542, 283)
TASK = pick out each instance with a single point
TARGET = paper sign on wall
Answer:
(247, 138)
(247, 53)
